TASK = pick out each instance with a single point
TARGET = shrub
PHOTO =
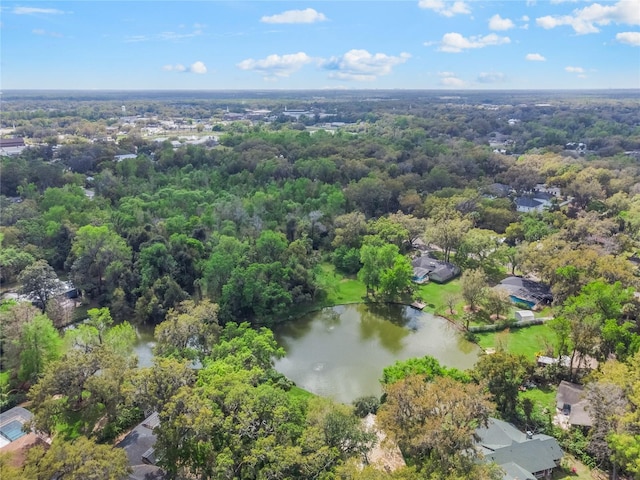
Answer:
(363, 406)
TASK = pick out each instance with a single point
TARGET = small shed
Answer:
(524, 315)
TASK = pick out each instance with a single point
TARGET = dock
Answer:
(418, 305)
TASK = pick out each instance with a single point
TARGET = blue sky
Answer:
(418, 44)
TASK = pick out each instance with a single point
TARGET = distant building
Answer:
(12, 146)
(579, 147)
(119, 158)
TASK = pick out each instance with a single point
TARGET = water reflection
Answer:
(143, 347)
(340, 351)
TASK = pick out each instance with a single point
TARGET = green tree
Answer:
(39, 282)
(398, 279)
(79, 459)
(98, 256)
(497, 302)
(447, 231)
(434, 422)
(378, 261)
(428, 367)
(503, 373)
(189, 331)
(473, 286)
(40, 344)
(155, 261)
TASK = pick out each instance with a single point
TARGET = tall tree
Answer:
(473, 288)
(79, 459)
(189, 331)
(503, 373)
(98, 256)
(447, 231)
(39, 282)
(40, 344)
(434, 422)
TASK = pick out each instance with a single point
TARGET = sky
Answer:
(269, 44)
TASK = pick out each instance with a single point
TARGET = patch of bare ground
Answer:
(385, 455)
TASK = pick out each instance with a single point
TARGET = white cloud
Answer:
(40, 31)
(178, 67)
(360, 65)
(498, 23)
(36, 11)
(198, 67)
(167, 36)
(574, 69)
(535, 57)
(178, 36)
(455, 42)
(630, 38)
(491, 77)
(449, 79)
(308, 15)
(588, 19)
(445, 8)
(525, 18)
(275, 66)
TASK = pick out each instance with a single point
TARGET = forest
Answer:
(214, 242)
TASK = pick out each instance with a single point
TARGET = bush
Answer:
(363, 406)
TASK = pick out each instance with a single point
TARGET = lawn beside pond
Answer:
(526, 341)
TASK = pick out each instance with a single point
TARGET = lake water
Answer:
(145, 342)
(339, 352)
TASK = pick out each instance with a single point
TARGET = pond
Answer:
(145, 342)
(339, 352)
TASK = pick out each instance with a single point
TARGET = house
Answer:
(12, 425)
(526, 204)
(522, 290)
(522, 456)
(138, 445)
(126, 156)
(426, 269)
(571, 402)
(15, 439)
(579, 362)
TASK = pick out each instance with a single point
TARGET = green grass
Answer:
(339, 288)
(526, 341)
(542, 397)
(435, 296)
(301, 393)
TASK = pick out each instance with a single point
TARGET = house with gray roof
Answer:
(139, 447)
(522, 456)
(571, 402)
(426, 269)
(522, 290)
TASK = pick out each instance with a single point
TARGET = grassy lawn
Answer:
(435, 296)
(526, 341)
(297, 392)
(574, 469)
(339, 289)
